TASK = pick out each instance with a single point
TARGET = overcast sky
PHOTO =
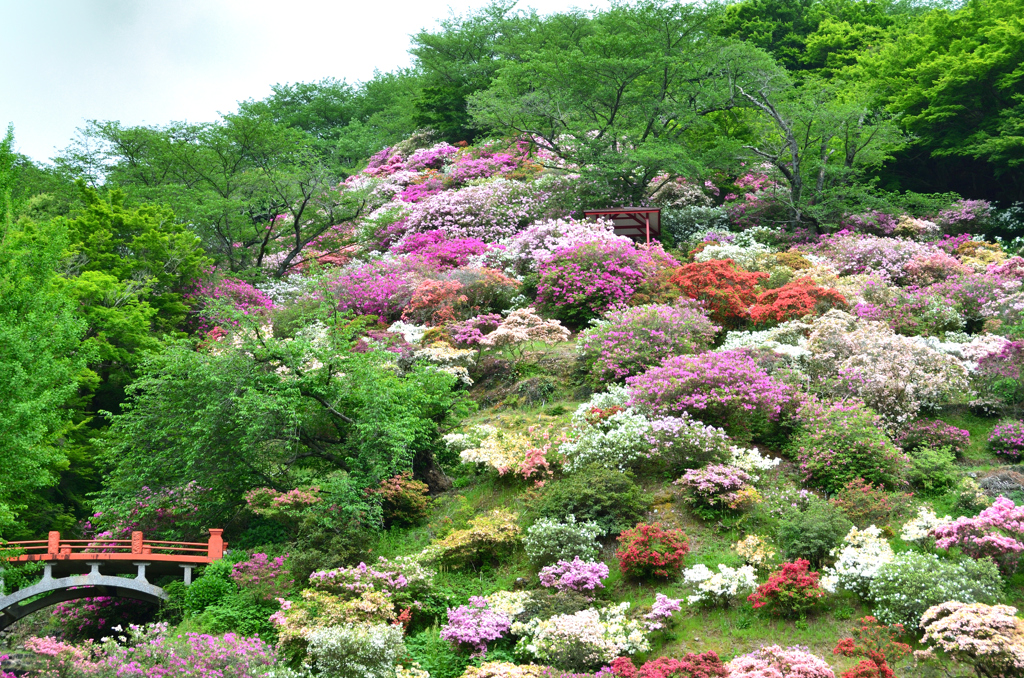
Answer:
(63, 62)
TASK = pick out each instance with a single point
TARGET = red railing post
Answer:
(215, 547)
(136, 542)
(53, 543)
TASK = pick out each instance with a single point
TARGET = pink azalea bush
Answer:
(523, 252)
(372, 289)
(716, 487)
(473, 626)
(1007, 439)
(933, 433)
(263, 576)
(661, 611)
(990, 637)
(720, 389)
(773, 661)
(488, 212)
(581, 281)
(577, 575)
(854, 254)
(437, 251)
(628, 341)
(997, 533)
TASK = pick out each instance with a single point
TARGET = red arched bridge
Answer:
(71, 569)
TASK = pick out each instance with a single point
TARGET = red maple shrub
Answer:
(704, 665)
(727, 291)
(792, 591)
(795, 299)
(878, 644)
(649, 550)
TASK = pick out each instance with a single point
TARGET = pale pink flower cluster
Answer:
(989, 636)
(772, 661)
(662, 610)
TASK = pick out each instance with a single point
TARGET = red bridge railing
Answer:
(137, 548)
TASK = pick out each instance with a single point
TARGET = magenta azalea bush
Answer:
(628, 341)
(935, 434)
(1007, 438)
(721, 389)
(473, 626)
(372, 289)
(575, 575)
(997, 533)
(263, 576)
(580, 282)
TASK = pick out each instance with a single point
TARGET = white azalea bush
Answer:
(606, 432)
(584, 640)
(355, 650)
(549, 540)
(509, 603)
(722, 587)
(682, 443)
(858, 559)
(752, 461)
(918, 529)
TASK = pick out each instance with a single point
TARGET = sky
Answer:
(63, 62)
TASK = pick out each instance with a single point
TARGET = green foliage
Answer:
(436, 656)
(241, 613)
(607, 497)
(933, 471)
(812, 533)
(210, 589)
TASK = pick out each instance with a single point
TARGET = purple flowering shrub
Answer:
(438, 252)
(935, 434)
(473, 626)
(841, 441)
(524, 251)
(581, 281)
(264, 577)
(628, 341)
(964, 215)
(372, 289)
(1007, 439)
(716, 488)
(681, 443)
(854, 254)
(489, 212)
(94, 617)
(1002, 373)
(721, 389)
(575, 575)
(175, 513)
(467, 168)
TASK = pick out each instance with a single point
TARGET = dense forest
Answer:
(452, 428)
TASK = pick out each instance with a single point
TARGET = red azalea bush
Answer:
(404, 500)
(792, 591)
(435, 302)
(864, 504)
(934, 434)
(721, 389)
(649, 550)
(577, 283)
(795, 299)
(704, 665)
(726, 290)
(878, 644)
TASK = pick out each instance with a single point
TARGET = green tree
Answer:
(622, 94)
(41, 358)
(255, 411)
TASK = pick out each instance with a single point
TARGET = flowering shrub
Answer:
(548, 540)
(720, 588)
(605, 433)
(997, 533)
(504, 451)
(372, 289)
(991, 637)
(747, 255)
(682, 442)
(400, 579)
(933, 433)
(878, 645)
(583, 640)
(726, 291)
(628, 341)
(864, 504)
(504, 670)
(933, 267)
(355, 650)
(1002, 372)
(522, 326)
(151, 650)
(755, 551)
(238, 294)
(488, 536)
(577, 575)
(1007, 438)
(905, 588)
(438, 252)
(704, 665)
(661, 611)
(856, 254)
(404, 500)
(857, 561)
(795, 299)
(964, 215)
(918, 529)
(792, 591)
(92, 617)
(580, 282)
(649, 550)
(262, 575)
(523, 252)
(772, 661)
(475, 625)
(720, 389)
(716, 488)
(838, 442)
(488, 212)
